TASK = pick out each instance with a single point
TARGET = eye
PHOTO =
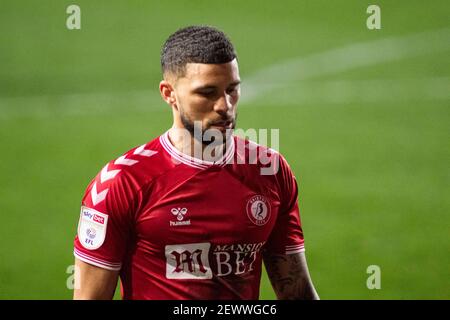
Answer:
(206, 94)
(232, 90)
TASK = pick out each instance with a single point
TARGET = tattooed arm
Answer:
(289, 276)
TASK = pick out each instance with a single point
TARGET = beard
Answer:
(195, 127)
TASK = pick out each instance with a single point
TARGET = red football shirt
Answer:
(180, 228)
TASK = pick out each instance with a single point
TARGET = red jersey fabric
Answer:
(180, 228)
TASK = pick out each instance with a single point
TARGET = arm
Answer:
(93, 283)
(289, 276)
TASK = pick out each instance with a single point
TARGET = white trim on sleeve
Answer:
(97, 262)
(295, 249)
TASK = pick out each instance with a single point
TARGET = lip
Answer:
(225, 124)
(222, 126)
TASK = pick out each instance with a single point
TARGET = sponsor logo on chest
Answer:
(193, 261)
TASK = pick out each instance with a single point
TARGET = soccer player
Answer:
(192, 214)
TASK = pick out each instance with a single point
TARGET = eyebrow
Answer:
(206, 87)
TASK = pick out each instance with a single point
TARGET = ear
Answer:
(167, 93)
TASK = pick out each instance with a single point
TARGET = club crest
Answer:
(258, 210)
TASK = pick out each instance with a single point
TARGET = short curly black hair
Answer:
(195, 44)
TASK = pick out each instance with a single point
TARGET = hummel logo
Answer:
(180, 213)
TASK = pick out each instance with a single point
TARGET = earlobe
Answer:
(172, 97)
(173, 103)
(172, 100)
(166, 92)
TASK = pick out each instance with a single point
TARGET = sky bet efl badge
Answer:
(92, 228)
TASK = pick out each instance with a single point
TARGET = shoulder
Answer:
(141, 163)
(128, 174)
(269, 161)
(266, 166)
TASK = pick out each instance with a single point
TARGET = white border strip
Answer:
(167, 147)
(97, 262)
(295, 249)
(194, 162)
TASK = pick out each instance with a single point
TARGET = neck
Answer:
(185, 143)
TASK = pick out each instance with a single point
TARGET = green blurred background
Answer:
(363, 118)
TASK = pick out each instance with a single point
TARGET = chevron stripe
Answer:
(142, 152)
(127, 162)
(107, 175)
(98, 197)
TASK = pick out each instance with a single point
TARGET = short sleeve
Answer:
(287, 234)
(106, 219)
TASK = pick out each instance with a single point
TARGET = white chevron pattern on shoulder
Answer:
(127, 162)
(143, 152)
(107, 175)
(98, 197)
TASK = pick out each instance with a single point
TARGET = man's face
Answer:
(208, 94)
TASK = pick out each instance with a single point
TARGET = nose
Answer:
(223, 104)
